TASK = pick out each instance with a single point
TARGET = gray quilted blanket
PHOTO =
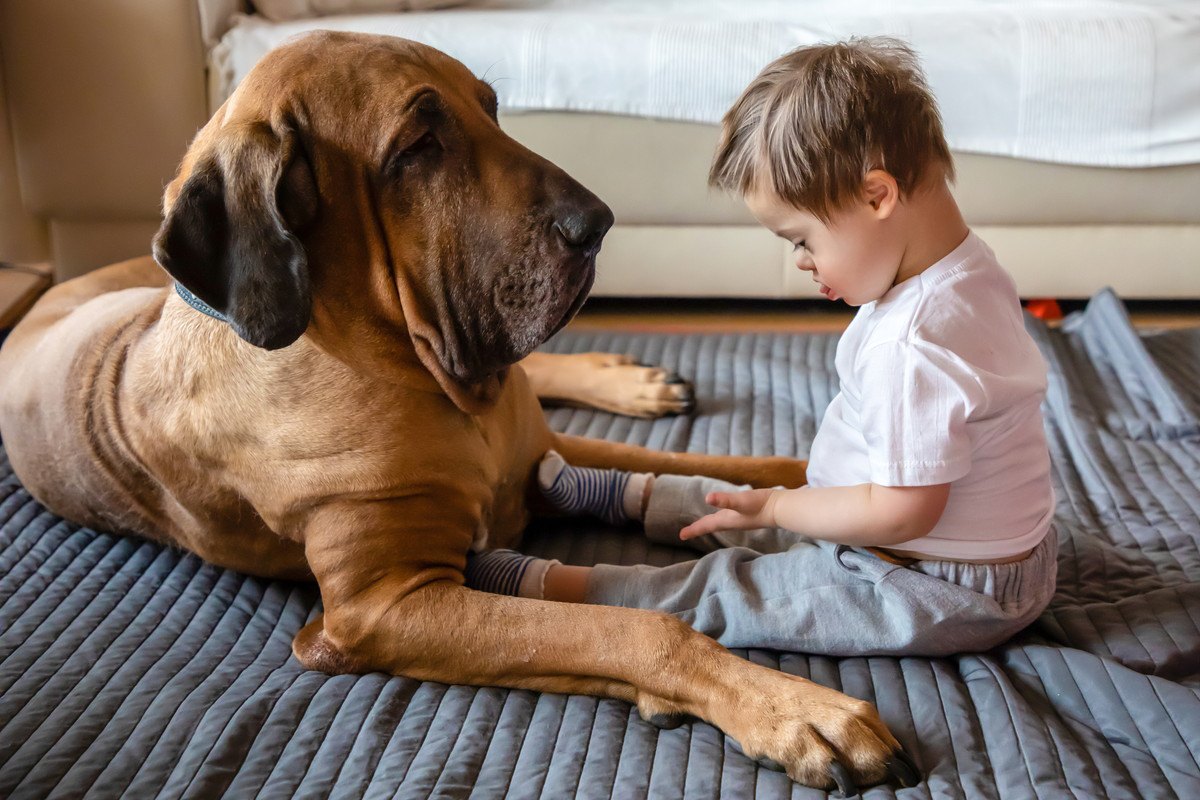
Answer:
(128, 669)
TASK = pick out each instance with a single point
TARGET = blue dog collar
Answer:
(197, 303)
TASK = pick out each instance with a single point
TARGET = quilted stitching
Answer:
(130, 668)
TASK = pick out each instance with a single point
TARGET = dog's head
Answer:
(359, 188)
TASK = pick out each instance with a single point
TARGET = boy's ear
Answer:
(881, 192)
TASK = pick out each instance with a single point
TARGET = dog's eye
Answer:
(425, 145)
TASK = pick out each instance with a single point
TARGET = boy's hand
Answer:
(739, 511)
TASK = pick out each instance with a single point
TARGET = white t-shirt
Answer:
(941, 383)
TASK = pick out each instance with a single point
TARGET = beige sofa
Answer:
(101, 98)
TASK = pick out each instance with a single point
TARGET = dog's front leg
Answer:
(390, 579)
(762, 472)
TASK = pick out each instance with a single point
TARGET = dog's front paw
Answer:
(621, 385)
(820, 737)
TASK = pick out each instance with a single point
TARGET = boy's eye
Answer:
(800, 245)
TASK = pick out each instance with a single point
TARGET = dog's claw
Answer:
(688, 398)
(902, 767)
(841, 776)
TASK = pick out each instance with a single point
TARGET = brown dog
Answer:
(380, 255)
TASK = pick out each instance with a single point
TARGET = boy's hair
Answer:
(817, 120)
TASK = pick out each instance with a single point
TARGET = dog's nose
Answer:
(583, 226)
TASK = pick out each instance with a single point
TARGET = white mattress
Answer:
(1099, 83)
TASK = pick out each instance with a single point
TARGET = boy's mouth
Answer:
(826, 291)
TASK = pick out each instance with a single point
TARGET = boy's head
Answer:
(829, 131)
(814, 122)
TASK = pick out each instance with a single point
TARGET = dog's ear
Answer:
(230, 236)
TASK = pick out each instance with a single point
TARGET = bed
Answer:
(130, 669)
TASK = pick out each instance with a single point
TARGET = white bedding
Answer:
(1098, 83)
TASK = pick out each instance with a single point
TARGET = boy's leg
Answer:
(677, 501)
(674, 502)
(664, 503)
(811, 598)
(796, 600)
(818, 597)
(830, 599)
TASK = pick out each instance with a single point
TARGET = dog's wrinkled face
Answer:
(359, 187)
(503, 241)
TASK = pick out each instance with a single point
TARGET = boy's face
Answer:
(855, 257)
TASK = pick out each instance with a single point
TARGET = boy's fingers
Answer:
(740, 504)
(718, 499)
(724, 520)
(707, 524)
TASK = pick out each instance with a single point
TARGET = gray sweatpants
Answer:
(777, 589)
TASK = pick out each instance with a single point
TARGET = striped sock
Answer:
(507, 572)
(613, 495)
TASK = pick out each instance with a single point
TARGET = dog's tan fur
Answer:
(380, 446)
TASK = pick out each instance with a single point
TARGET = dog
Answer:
(326, 384)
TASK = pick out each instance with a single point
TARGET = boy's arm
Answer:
(864, 515)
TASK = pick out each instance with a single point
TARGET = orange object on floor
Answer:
(1044, 308)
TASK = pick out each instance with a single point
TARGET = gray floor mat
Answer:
(131, 669)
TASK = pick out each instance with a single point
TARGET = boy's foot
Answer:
(507, 572)
(613, 495)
